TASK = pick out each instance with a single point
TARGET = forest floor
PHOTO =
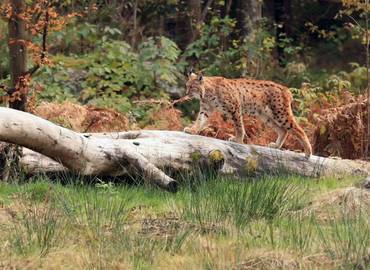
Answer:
(213, 222)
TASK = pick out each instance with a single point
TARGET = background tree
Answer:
(195, 19)
(248, 15)
(18, 55)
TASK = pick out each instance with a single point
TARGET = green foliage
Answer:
(112, 75)
(215, 52)
(257, 59)
(355, 80)
(55, 83)
(219, 51)
(77, 37)
(324, 87)
(116, 73)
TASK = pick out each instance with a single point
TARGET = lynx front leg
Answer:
(237, 118)
(199, 124)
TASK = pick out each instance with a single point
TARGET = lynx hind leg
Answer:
(291, 125)
(285, 120)
(301, 136)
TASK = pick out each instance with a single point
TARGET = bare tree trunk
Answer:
(248, 15)
(206, 8)
(18, 56)
(228, 7)
(195, 18)
(18, 91)
(282, 14)
(134, 30)
(367, 133)
(146, 153)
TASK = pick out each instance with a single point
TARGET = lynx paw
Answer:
(272, 145)
(235, 139)
(189, 130)
(232, 139)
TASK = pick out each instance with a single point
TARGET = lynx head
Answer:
(195, 86)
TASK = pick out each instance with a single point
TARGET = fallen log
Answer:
(148, 153)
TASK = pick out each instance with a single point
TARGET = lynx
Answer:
(265, 100)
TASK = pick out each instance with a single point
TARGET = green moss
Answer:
(216, 156)
(196, 156)
(251, 164)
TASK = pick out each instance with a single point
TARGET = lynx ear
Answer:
(200, 78)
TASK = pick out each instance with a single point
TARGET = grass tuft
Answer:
(225, 201)
(36, 229)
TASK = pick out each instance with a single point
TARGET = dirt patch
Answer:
(4, 215)
(169, 225)
(82, 118)
(62, 259)
(163, 227)
(9, 212)
(341, 202)
(263, 259)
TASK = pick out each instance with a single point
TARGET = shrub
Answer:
(113, 74)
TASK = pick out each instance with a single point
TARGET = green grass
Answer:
(213, 222)
(239, 203)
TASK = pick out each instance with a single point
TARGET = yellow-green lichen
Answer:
(251, 164)
(216, 156)
(196, 156)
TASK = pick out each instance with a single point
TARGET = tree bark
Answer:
(195, 18)
(134, 22)
(18, 56)
(205, 9)
(146, 153)
(282, 14)
(248, 14)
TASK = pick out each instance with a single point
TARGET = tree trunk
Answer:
(18, 55)
(134, 26)
(282, 14)
(248, 14)
(146, 153)
(195, 18)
